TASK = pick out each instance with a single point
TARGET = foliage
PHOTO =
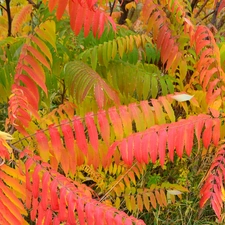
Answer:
(112, 117)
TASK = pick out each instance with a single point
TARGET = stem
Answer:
(8, 10)
(196, 15)
(3, 7)
(112, 7)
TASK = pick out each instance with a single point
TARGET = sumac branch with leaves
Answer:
(112, 112)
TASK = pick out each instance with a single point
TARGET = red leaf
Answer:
(61, 8)
(101, 25)
(104, 126)
(80, 16)
(99, 216)
(54, 195)
(180, 140)
(80, 211)
(48, 218)
(33, 212)
(137, 148)
(144, 150)
(130, 150)
(62, 205)
(88, 22)
(109, 216)
(36, 78)
(162, 145)
(52, 4)
(43, 146)
(32, 86)
(123, 150)
(207, 134)
(80, 135)
(45, 186)
(216, 131)
(68, 137)
(171, 140)
(126, 120)
(95, 23)
(89, 210)
(38, 56)
(153, 145)
(99, 95)
(116, 122)
(56, 142)
(189, 137)
(198, 129)
(35, 186)
(92, 131)
(71, 208)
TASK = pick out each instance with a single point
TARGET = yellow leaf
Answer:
(130, 5)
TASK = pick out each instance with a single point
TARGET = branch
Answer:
(213, 21)
(196, 15)
(112, 7)
(3, 7)
(8, 10)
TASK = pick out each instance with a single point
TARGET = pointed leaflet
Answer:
(189, 137)
(36, 181)
(99, 96)
(116, 122)
(143, 156)
(158, 111)
(32, 86)
(61, 8)
(36, 78)
(126, 120)
(45, 188)
(56, 142)
(63, 212)
(52, 4)
(153, 145)
(198, 128)
(68, 137)
(137, 148)
(180, 138)
(89, 211)
(95, 22)
(137, 116)
(46, 31)
(43, 146)
(148, 114)
(38, 56)
(54, 195)
(207, 133)
(43, 47)
(168, 108)
(80, 135)
(216, 131)
(80, 17)
(71, 208)
(9, 205)
(104, 126)
(6, 212)
(162, 144)
(80, 211)
(171, 140)
(87, 22)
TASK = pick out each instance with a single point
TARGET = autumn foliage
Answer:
(92, 105)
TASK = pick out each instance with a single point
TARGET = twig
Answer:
(3, 7)
(196, 15)
(105, 195)
(112, 7)
(8, 10)
(213, 21)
